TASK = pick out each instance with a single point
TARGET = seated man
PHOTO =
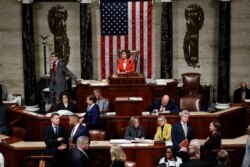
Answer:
(165, 104)
(241, 93)
(125, 64)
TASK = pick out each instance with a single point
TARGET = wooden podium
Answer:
(127, 79)
(128, 106)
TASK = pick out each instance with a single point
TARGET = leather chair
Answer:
(19, 132)
(134, 54)
(130, 164)
(191, 84)
(96, 134)
(192, 88)
(190, 104)
(36, 160)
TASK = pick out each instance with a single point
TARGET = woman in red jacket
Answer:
(125, 63)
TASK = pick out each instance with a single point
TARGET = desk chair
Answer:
(19, 132)
(36, 160)
(96, 134)
(130, 164)
(190, 104)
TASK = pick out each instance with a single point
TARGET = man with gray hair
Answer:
(194, 154)
(79, 156)
(182, 133)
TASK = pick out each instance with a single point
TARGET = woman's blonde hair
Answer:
(162, 117)
(117, 153)
(133, 119)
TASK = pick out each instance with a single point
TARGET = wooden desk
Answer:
(35, 124)
(123, 104)
(147, 92)
(144, 156)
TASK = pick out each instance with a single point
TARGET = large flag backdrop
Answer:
(126, 25)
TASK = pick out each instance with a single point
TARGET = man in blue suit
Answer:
(92, 115)
(77, 128)
(181, 131)
(79, 156)
(164, 104)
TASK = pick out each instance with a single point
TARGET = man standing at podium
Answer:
(164, 104)
(58, 83)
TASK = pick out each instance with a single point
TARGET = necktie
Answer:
(185, 129)
(72, 133)
(56, 130)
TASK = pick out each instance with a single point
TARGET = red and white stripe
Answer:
(139, 38)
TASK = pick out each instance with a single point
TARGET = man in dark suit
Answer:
(79, 156)
(58, 83)
(164, 104)
(241, 93)
(92, 115)
(77, 128)
(180, 132)
(56, 142)
(194, 154)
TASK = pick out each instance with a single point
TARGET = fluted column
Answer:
(223, 95)
(28, 52)
(86, 40)
(166, 40)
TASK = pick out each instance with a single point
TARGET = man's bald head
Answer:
(165, 100)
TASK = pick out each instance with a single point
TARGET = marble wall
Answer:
(11, 64)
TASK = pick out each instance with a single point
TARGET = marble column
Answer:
(223, 95)
(86, 40)
(28, 52)
(166, 40)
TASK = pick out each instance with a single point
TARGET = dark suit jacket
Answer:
(238, 95)
(78, 159)
(171, 106)
(92, 117)
(71, 107)
(177, 135)
(118, 164)
(131, 133)
(81, 131)
(60, 83)
(51, 139)
(213, 142)
(194, 163)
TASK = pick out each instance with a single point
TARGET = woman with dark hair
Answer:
(213, 141)
(65, 103)
(125, 64)
(170, 159)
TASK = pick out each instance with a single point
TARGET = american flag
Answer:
(126, 25)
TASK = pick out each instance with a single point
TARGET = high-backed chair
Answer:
(192, 88)
(190, 103)
(19, 132)
(96, 134)
(130, 164)
(191, 84)
(134, 54)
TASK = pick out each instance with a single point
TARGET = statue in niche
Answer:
(57, 17)
(194, 15)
